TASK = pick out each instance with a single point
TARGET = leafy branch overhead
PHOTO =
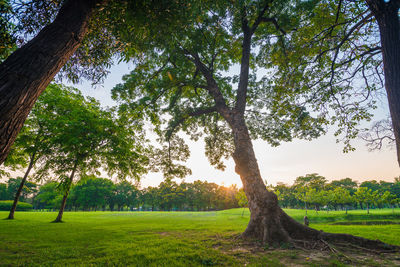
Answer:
(183, 81)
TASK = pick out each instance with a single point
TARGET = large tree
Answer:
(25, 74)
(182, 82)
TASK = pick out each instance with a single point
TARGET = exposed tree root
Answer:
(278, 229)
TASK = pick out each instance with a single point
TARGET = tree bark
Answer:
(387, 16)
(64, 200)
(21, 186)
(268, 222)
(25, 74)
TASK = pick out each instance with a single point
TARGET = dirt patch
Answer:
(164, 233)
(254, 253)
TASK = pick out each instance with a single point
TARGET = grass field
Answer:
(176, 239)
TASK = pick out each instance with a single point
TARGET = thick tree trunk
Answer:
(25, 74)
(268, 222)
(64, 200)
(21, 186)
(387, 16)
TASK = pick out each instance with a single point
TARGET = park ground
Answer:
(182, 239)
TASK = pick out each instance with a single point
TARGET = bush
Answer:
(7, 204)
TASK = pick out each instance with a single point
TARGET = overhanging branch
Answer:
(190, 113)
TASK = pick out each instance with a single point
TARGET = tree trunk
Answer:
(387, 16)
(21, 186)
(25, 74)
(268, 222)
(64, 200)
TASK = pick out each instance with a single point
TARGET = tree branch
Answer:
(260, 16)
(191, 113)
(276, 24)
(212, 86)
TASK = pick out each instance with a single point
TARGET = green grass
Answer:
(165, 238)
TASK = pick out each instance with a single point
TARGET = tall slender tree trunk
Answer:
(387, 16)
(64, 200)
(25, 74)
(21, 186)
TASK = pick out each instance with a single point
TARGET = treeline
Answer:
(93, 194)
(314, 191)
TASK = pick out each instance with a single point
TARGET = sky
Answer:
(277, 164)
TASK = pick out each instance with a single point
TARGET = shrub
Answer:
(7, 204)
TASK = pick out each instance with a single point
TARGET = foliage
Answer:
(181, 71)
(87, 137)
(91, 192)
(48, 197)
(22, 206)
(334, 59)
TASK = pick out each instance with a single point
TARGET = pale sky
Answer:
(277, 164)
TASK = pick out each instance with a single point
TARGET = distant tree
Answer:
(124, 194)
(342, 197)
(286, 195)
(372, 184)
(242, 199)
(346, 183)
(365, 196)
(92, 192)
(151, 197)
(168, 194)
(309, 181)
(308, 196)
(49, 196)
(3, 191)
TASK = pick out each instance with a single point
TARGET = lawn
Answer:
(176, 239)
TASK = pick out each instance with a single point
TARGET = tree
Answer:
(182, 76)
(49, 196)
(25, 74)
(92, 192)
(364, 196)
(124, 194)
(151, 197)
(3, 192)
(341, 197)
(313, 180)
(32, 145)
(286, 195)
(87, 138)
(346, 183)
(242, 200)
(373, 185)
